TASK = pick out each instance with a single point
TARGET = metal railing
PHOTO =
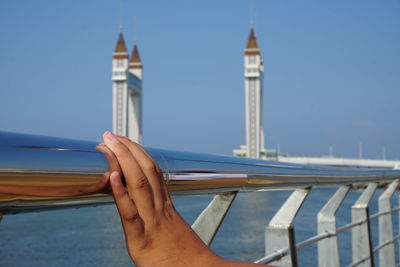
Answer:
(39, 173)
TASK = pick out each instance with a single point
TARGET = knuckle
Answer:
(131, 218)
(141, 182)
(150, 166)
(120, 194)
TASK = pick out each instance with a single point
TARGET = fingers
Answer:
(162, 180)
(137, 184)
(150, 169)
(126, 208)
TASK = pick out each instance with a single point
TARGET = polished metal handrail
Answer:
(41, 173)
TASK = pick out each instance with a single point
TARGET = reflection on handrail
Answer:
(38, 173)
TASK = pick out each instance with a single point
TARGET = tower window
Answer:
(252, 70)
(252, 59)
(120, 63)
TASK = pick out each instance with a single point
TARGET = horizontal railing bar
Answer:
(378, 214)
(359, 261)
(314, 239)
(281, 253)
(377, 248)
(39, 172)
(349, 226)
(273, 257)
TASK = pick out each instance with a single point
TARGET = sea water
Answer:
(93, 236)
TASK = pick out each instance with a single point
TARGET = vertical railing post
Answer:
(361, 234)
(328, 249)
(280, 234)
(386, 253)
(211, 218)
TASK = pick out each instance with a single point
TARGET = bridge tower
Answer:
(253, 73)
(253, 83)
(127, 75)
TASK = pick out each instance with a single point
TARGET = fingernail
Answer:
(115, 180)
(112, 137)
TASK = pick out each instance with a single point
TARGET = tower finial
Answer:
(134, 19)
(121, 27)
(252, 14)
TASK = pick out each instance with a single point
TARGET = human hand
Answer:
(155, 233)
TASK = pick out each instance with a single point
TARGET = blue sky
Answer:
(332, 71)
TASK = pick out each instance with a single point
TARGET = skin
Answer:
(155, 233)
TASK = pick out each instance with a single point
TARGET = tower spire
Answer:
(120, 47)
(135, 63)
(135, 57)
(252, 41)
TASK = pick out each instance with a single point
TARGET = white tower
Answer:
(253, 74)
(127, 92)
